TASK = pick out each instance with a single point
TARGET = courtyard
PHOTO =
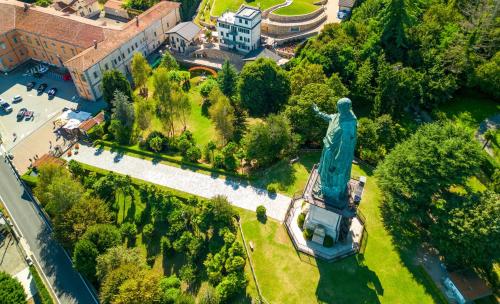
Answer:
(25, 138)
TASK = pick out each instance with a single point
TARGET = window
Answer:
(37, 42)
(106, 66)
(21, 52)
(83, 78)
(45, 43)
(155, 34)
(246, 21)
(114, 61)
(128, 50)
(119, 58)
(123, 56)
(2, 45)
(14, 39)
(73, 52)
(241, 38)
(136, 45)
(62, 48)
(95, 75)
(10, 60)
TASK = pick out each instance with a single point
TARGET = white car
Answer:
(17, 98)
(5, 106)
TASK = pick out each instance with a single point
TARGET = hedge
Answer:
(162, 156)
(43, 293)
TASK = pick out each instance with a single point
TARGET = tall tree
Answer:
(112, 81)
(222, 114)
(140, 70)
(163, 90)
(396, 20)
(301, 115)
(168, 62)
(417, 171)
(264, 87)
(86, 212)
(228, 79)
(269, 141)
(84, 256)
(143, 288)
(115, 257)
(304, 74)
(123, 109)
(469, 221)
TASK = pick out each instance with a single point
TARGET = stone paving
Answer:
(239, 193)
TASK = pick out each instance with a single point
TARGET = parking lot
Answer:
(25, 138)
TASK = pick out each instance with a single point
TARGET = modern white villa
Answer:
(241, 30)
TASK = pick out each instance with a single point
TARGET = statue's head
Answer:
(344, 107)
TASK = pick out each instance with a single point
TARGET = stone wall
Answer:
(277, 29)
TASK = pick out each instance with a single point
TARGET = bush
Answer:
(165, 244)
(147, 231)
(128, 230)
(193, 154)
(328, 241)
(96, 132)
(308, 234)
(156, 144)
(11, 290)
(261, 212)
(218, 160)
(43, 293)
(183, 145)
(156, 141)
(272, 188)
(300, 220)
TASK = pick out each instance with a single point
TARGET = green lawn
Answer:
(288, 178)
(381, 275)
(198, 123)
(220, 6)
(469, 109)
(298, 7)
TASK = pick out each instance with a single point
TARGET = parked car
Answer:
(5, 107)
(20, 114)
(30, 85)
(17, 98)
(41, 88)
(52, 92)
(28, 115)
(343, 14)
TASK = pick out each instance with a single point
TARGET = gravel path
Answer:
(239, 193)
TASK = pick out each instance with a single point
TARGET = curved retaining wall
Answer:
(277, 29)
(296, 18)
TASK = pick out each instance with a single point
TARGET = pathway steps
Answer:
(239, 193)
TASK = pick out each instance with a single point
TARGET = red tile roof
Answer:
(470, 285)
(50, 23)
(114, 4)
(89, 123)
(91, 56)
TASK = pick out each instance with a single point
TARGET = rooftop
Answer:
(91, 56)
(114, 4)
(51, 23)
(470, 285)
(247, 12)
(187, 30)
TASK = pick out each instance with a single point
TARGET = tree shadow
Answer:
(348, 281)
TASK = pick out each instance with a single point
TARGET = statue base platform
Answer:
(322, 219)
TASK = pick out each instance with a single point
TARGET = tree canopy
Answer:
(264, 87)
(11, 290)
(114, 80)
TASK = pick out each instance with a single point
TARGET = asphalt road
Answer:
(66, 282)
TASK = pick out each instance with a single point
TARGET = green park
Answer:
(422, 131)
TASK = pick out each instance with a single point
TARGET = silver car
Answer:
(17, 98)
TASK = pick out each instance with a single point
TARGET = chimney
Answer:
(137, 20)
(95, 44)
(26, 7)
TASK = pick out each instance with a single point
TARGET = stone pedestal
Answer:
(328, 221)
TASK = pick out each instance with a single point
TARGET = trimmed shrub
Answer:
(328, 241)
(165, 244)
(128, 230)
(272, 188)
(300, 220)
(147, 231)
(193, 154)
(11, 290)
(308, 234)
(261, 212)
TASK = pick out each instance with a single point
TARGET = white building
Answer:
(183, 35)
(241, 30)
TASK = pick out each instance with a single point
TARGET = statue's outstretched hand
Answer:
(315, 108)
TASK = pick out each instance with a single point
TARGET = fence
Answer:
(288, 225)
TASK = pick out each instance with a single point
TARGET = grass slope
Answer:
(220, 6)
(298, 7)
(380, 275)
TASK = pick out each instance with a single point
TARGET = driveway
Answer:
(239, 193)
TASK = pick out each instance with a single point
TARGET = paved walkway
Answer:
(239, 193)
